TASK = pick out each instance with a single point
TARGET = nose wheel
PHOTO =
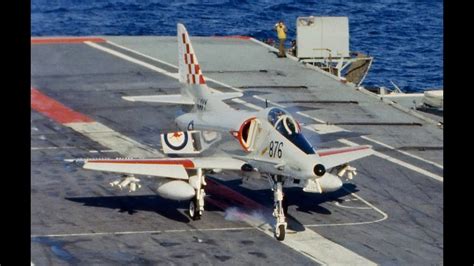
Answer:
(279, 210)
(280, 232)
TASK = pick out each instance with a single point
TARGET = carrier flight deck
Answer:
(390, 213)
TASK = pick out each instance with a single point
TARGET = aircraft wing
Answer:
(166, 167)
(335, 157)
(170, 98)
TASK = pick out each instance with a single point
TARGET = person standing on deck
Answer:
(281, 31)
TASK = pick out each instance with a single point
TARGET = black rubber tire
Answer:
(280, 232)
(192, 211)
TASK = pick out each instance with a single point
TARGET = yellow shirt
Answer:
(281, 31)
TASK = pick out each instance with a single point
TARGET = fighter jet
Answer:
(263, 144)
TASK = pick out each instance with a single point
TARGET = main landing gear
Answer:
(196, 204)
(279, 210)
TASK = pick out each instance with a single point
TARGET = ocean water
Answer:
(404, 37)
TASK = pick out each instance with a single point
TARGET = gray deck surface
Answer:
(69, 200)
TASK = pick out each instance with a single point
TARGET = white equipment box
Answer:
(322, 37)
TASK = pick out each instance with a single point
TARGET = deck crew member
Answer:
(281, 31)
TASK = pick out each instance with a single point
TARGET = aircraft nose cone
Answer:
(319, 170)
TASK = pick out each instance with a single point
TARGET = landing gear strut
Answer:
(196, 205)
(278, 211)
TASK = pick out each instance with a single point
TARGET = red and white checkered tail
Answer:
(189, 69)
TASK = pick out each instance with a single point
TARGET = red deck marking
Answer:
(322, 154)
(214, 188)
(186, 163)
(216, 203)
(54, 109)
(65, 40)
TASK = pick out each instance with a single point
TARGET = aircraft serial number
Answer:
(201, 105)
(275, 149)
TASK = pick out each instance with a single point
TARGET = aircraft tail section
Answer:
(192, 79)
(189, 70)
(194, 90)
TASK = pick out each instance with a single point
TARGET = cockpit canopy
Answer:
(284, 123)
(281, 120)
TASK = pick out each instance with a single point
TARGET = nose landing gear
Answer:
(278, 211)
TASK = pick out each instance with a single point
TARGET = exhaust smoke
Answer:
(255, 216)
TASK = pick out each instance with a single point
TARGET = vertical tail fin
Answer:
(194, 90)
(193, 83)
(189, 70)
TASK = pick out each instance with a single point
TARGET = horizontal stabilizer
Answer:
(173, 99)
(338, 156)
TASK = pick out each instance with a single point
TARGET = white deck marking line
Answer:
(251, 105)
(142, 54)
(147, 232)
(314, 246)
(68, 147)
(384, 215)
(168, 64)
(115, 141)
(322, 129)
(303, 242)
(133, 60)
(53, 148)
(351, 207)
(103, 151)
(265, 100)
(397, 161)
(310, 117)
(403, 152)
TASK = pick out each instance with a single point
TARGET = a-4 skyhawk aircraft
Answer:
(266, 144)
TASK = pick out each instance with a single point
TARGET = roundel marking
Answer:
(177, 140)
